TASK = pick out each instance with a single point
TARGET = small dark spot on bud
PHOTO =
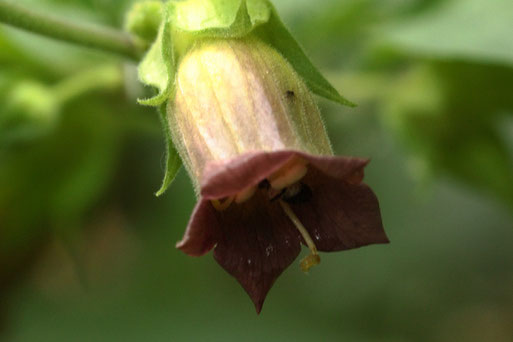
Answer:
(290, 94)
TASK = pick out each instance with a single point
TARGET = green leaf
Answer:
(276, 34)
(453, 124)
(474, 30)
(30, 111)
(173, 161)
(158, 67)
(219, 18)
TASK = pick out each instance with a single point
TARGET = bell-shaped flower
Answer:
(253, 141)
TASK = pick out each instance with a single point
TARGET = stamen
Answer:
(245, 194)
(313, 258)
(297, 193)
(275, 195)
(221, 206)
(290, 173)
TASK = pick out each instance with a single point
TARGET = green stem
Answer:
(102, 77)
(101, 38)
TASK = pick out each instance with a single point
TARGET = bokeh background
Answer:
(87, 252)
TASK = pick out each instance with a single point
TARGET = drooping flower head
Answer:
(252, 140)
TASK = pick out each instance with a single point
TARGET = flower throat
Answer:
(285, 187)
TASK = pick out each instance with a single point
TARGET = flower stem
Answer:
(97, 37)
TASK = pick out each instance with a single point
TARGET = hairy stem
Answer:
(97, 37)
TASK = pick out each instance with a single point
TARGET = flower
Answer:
(254, 144)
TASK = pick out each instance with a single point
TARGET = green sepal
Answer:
(232, 19)
(158, 70)
(193, 19)
(275, 32)
(235, 18)
(158, 66)
(173, 160)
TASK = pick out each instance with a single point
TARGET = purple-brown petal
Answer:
(257, 243)
(349, 169)
(202, 231)
(226, 178)
(340, 215)
(222, 179)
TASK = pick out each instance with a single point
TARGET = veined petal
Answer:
(255, 241)
(340, 215)
(257, 244)
(202, 232)
(226, 178)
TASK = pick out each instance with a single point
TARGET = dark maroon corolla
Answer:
(254, 144)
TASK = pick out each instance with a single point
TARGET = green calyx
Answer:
(185, 22)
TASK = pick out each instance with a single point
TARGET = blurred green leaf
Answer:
(458, 29)
(30, 111)
(53, 181)
(450, 114)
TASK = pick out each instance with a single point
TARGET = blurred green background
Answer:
(87, 252)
